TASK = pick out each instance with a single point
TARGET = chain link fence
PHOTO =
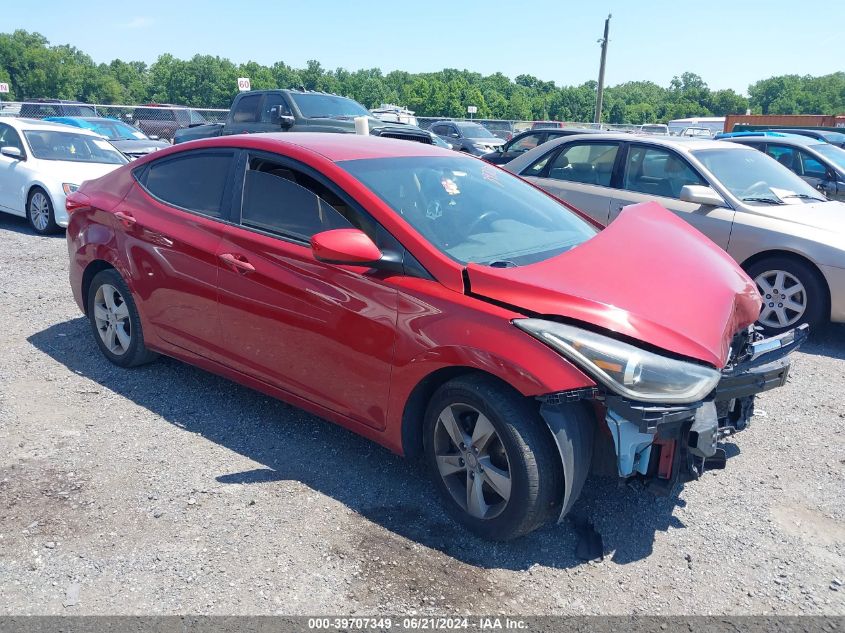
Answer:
(162, 120)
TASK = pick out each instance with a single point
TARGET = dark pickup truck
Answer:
(298, 111)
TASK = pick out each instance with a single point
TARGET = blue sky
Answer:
(730, 44)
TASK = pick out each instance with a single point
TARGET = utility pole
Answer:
(600, 91)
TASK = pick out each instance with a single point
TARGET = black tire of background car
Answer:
(536, 474)
(816, 312)
(137, 354)
(51, 227)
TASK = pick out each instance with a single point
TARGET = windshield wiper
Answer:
(804, 196)
(766, 200)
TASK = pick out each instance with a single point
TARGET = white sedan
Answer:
(40, 163)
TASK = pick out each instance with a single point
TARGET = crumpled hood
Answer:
(649, 276)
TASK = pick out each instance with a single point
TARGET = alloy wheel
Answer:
(784, 298)
(111, 316)
(39, 211)
(472, 461)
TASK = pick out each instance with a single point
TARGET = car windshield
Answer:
(195, 118)
(72, 147)
(756, 178)
(316, 105)
(835, 155)
(472, 211)
(116, 131)
(474, 130)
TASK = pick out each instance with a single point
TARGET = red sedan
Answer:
(433, 303)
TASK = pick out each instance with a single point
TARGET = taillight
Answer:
(77, 201)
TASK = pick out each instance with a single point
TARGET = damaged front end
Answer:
(662, 445)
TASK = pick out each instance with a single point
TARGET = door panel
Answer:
(657, 174)
(172, 256)
(593, 200)
(322, 332)
(15, 174)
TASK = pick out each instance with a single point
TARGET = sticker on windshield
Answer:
(450, 186)
(101, 143)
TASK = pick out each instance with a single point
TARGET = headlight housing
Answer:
(627, 370)
(69, 188)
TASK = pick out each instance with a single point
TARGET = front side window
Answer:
(281, 200)
(274, 102)
(73, 147)
(472, 211)
(588, 163)
(193, 181)
(658, 172)
(9, 137)
(246, 110)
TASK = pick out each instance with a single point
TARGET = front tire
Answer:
(115, 322)
(792, 292)
(492, 458)
(39, 212)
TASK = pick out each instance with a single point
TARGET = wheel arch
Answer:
(91, 270)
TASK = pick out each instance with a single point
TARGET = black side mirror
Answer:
(286, 121)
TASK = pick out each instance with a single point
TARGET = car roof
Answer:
(335, 147)
(39, 124)
(782, 139)
(679, 143)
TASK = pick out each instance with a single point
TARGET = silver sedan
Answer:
(785, 234)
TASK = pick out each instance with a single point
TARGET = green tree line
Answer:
(34, 68)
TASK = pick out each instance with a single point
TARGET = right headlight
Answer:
(625, 369)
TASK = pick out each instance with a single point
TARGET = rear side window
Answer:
(658, 172)
(285, 201)
(195, 182)
(246, 110)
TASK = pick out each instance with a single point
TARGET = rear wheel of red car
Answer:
(115, 322)
(492, 457)
(792, 294)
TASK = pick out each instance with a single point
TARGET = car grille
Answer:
(419, 138)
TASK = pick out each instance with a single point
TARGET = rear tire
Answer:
(503, 443)
(793, 293)
(115, 322)
(39, 212)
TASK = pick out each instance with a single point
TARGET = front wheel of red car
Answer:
(492, 458)
(115, 321)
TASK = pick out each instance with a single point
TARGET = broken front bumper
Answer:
(666, 444)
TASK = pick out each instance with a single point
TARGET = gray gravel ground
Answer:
(165, 489)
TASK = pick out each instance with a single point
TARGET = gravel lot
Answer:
(167, 490)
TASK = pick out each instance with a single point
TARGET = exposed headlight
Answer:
(625, 369)
(69, 188)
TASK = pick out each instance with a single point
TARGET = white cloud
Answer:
(139, 22)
